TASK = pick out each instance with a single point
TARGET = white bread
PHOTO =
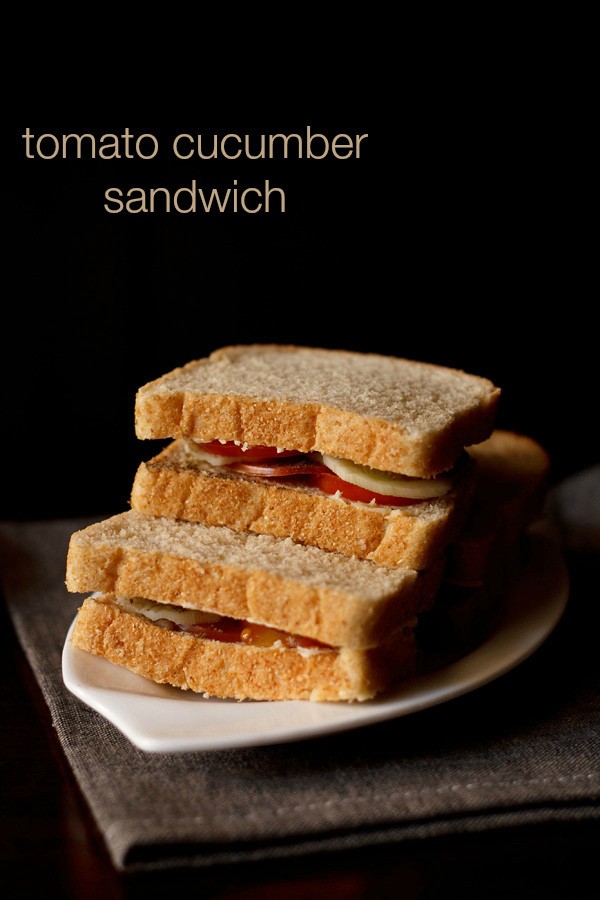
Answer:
(236, 670)
(392, 414)
(176, 485)
(335, 599)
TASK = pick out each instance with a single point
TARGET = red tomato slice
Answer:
(263, 636)
(232, 449)
(330, 483)
(235, 631)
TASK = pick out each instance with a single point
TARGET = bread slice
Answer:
(392, 414)
(304, 590)
(236, 670)
(177, 485)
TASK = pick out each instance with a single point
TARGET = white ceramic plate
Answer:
(162, 719)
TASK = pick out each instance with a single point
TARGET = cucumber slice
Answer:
(155, 611)
(388, 483)
(196, 453)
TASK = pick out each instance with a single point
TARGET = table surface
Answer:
(50, 847)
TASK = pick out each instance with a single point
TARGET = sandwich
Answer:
(243, 615)
(286, 542)
(354, 453)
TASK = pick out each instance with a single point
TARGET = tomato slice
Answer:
(330, 483)
(263, 636)
(238, 631)
(235, 450)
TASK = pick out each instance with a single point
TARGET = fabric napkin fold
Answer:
(524, 749)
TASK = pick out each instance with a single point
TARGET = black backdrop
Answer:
(451, 240)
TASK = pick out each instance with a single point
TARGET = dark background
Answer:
(453, 240)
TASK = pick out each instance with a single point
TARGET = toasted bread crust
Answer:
(237, 670)
(105, 557)
(423, 437)
(412, 536)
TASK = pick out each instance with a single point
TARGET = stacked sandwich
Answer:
(287, 540)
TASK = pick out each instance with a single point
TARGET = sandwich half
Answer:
(244, 615)
(355, 453)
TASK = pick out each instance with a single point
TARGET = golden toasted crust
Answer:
(235, 670)
(304, 590)
(392, 414)
(412, 536)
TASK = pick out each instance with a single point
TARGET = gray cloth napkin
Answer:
(524, 749)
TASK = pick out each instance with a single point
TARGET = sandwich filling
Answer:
(213, 627)
(332, 475)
